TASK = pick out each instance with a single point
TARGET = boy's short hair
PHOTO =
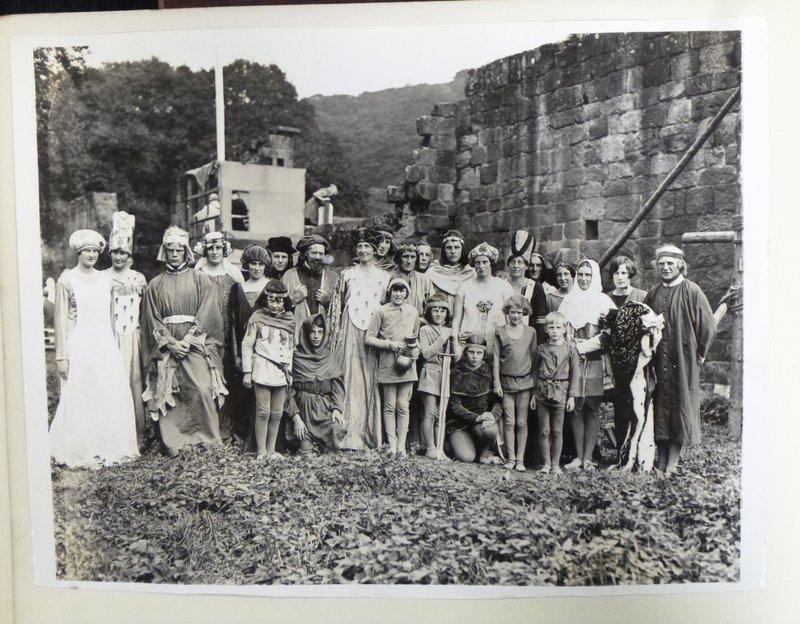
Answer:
(555, 316)
(517, 301)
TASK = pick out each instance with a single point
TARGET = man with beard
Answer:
(421, 286)
(689, 329)
(310, 283)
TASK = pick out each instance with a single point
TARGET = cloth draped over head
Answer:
(452, 236)
(174, 234)
(256, 253)
(86, 239)
(586, 306)
(281, 244)
(310, 240)
(485, 249)
(211, 238)
(522, 244)
(121, 238)
(472, 382)
(365, 235)
(315, 363)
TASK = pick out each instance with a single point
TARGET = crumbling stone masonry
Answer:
(569, 140)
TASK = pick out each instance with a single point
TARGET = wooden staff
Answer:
(444, 399)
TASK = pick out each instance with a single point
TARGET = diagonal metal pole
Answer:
(665, 184)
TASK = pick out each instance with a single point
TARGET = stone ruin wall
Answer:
(570, 140)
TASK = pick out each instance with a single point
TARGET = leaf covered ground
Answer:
(212, 516)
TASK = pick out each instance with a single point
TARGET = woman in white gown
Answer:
(94, 422)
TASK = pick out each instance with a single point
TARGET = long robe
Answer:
(185, 392)
(355, 301)
(688, 333)
(325, 281)
(94, 422)
(126, 294)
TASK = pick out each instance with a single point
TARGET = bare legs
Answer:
(269, 409)
(396, 399)
(515, 425)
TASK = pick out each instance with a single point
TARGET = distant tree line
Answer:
(133, 128)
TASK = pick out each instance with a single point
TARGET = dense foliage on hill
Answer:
(378, 130)
(133, 128)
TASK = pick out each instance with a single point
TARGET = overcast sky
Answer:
(331, 61)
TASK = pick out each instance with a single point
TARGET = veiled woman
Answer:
(94, 422)
(316, 400)
(356, 299)
(583, 309)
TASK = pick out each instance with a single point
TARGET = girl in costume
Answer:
(433, 340)
(393, 332)
(267, 363)
(514, 350)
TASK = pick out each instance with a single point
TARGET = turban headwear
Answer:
(310, 240)
(174, 234)
(256, 253)
(484, 249)
(85, 239)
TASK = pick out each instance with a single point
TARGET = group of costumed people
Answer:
(398, 351)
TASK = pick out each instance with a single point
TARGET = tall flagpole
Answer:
(220, 103)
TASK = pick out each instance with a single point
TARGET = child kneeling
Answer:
(474, 408)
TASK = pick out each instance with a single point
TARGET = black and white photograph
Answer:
(346, 308)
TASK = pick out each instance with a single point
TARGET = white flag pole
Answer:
(219, 103)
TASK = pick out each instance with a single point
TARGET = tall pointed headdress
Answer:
(121, 238)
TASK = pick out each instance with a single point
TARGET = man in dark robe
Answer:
(181, 335)
(310, 283)
(689, 329)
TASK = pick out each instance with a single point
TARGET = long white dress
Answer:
(94, 422)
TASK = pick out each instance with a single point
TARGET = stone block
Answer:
(623, 207)
(567, 212)
(716, 222)
(562, 159)
(609, 230)
(575, 229)
(478, 155)
(597, 128)
(467, 141)
(712, 156)
(673, 228)
(594, 209)
(590, 190)
(442, 175)
(673, 43)
(426, 223)
(479, 193)
(463, 159)
(439, 207)
(672, 90)
(424, 156)
(718, 175)
(654, 116)
(717, 58)
(566, 98)
(670, 204)
(442, 141)
(686, 179)
(663, 163)
(727, 198)
(446, 158)
(591, 248)
(488, 173)
(435, 125)
(726, 80)
(621, 103)
(520, 218)
(699, 84)
(685, 65)
(612, 149)
(467, 178)
(563, 119)
(445, 192)
(708, 105)
(414, 173)
(499, 221)
(445, 109)
(677, 143)
(699, 200)
(680, 111)
(613, 188)
(494, 204)
(619, 170)
(575, 134)
(629, 121)
(426, 190)
(575, 177)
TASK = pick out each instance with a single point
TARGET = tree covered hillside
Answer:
(378, 130)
